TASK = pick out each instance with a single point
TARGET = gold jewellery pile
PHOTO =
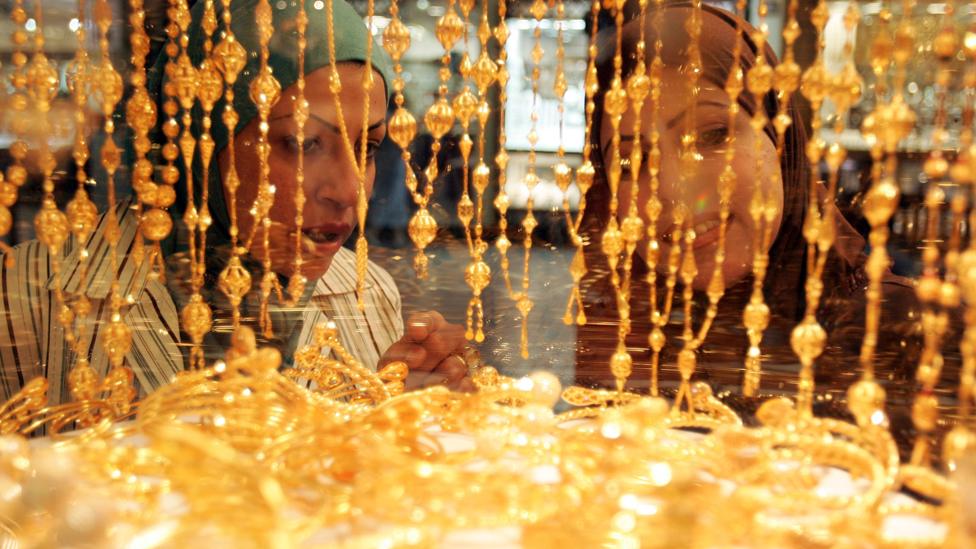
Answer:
(327, 452)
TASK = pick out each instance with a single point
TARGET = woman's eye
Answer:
(371, 148)
(309, 145)
(714, 137)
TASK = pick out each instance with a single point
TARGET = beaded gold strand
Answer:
(18, 103)
(297, 282)
(936, 295)
(196, 317)
(502, 201)
(230, 57)
(265, 91)
(116, 335)
(612, 240)
(632, 228)
(439, 119)
(690, 163)
(888, 124)
(81, 212)
(584, 177)
(478, 274)
(961, 438)
(808, 337)
(422, 227)
(362, 200)
(755, 317)
(656, 338)
(155, 223)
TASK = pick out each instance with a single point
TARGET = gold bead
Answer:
(477, 275)
(881, 202)
(396, 39)
(808, 339)
(117, 337)
(51, 225)
(865, 399)
(156, 224)
(621, 364)
(402, 128)
(756, 316)
(439, 118)
(82, 214)
(422, 228)
(449, 29)
(196, 318)
(946, 44)
(925, 412)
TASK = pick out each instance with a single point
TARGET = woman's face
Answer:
(331, 179)
(699, 190)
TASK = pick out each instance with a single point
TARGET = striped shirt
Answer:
(32, 341)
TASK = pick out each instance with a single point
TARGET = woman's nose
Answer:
(334, 181)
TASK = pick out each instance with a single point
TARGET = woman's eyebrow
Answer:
(334, 128)
(706, 102)
(623, 139)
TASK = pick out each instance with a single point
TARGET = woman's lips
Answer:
(706, 231)
(326, 238)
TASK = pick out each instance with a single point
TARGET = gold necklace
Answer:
(808, 338)
(690, 164)
(230, 57)
(82, 214)
(196, 315)
(632, 229)
(961, 439)
(297, 282)
(584, 177)
(422, 227)
(18, 102)
(265, 91)
(478, 274)
(935, 294)
(760, 79)
(117, 336)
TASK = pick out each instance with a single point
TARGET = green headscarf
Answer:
(351, 38)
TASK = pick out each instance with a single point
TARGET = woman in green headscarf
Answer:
(33, 343)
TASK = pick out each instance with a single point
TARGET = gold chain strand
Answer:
(808, 338)
(690, 164)
(297, 282)
(502, 201)
(478, 274)
(154, 222)
(230, 57)
(50, 224)
(18, 103)
(523, 303)
(422, 227)
(584, 178)
(937, 295)
(81, 212)
(734, 86)
(265, 91)
(439, 119)
(961, 439)
(562, 173)
(653, 207)
(612, 241)
(884, 128)
(362, 202)
(208, 86)
(117, 336)
(785, 80)
(196, 317)
(759, 81)
(171, 128)
(632, 228)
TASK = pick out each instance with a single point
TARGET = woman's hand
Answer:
(433, 350)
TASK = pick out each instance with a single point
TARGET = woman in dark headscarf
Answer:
(34, 343)
(785, 180)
